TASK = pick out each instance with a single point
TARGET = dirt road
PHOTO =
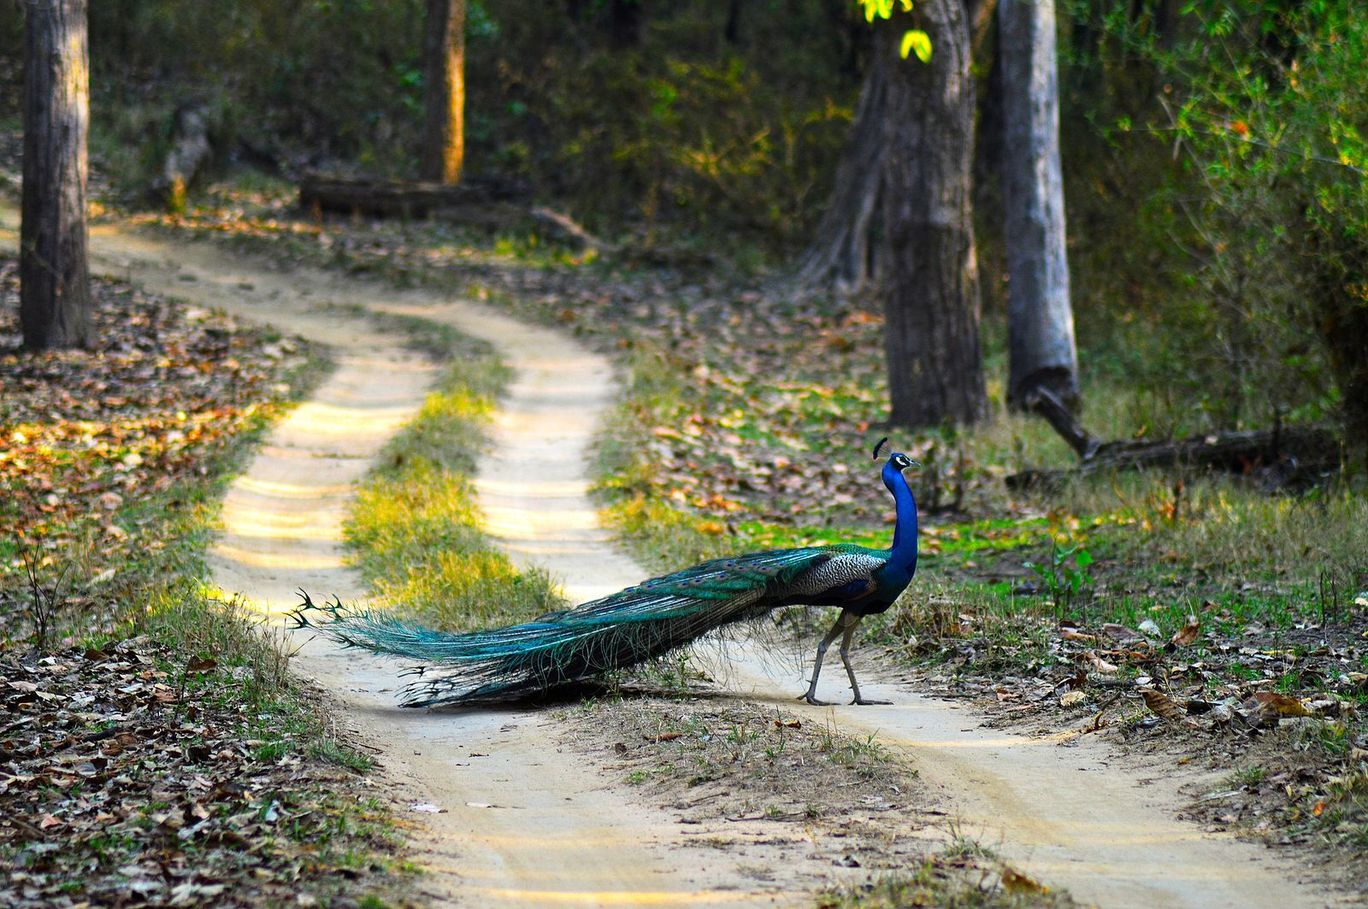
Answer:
(507, 818)
(523, 823)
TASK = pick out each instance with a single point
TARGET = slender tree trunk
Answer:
(54, 277)
(626, 19)
(931, 291)
(731, 32)
(844, 255)
(1040, 325)
(444, 78)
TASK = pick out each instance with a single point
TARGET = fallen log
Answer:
(563, 227)
(1280, 457)
(485, 202)
(1049, 405)
(403, 198)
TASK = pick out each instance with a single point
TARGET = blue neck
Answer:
(904, 551)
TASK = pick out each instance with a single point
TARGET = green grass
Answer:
(415, 528)
(658, 534)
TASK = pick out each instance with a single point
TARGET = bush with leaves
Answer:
(1264, 108)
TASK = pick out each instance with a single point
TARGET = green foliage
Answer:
(916, 41)
(1244, 152)
(670, 113)
(913, 40)
(1065, 574)
(333, 77)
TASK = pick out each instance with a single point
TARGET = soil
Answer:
(506, 813)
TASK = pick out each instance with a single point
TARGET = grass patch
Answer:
(962, 877)
(415, 528)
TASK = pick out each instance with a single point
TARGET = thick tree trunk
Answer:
(931, 291)
(444, 78)
(54, 278)
(844, 255)
(1040, 318)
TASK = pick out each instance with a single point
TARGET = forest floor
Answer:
(689, 757)
(1178, 613)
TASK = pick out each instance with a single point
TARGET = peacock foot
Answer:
(816, 702)
(868, 701)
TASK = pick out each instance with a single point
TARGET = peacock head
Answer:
(895, 465)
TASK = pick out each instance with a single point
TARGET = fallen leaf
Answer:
(1279, 704)
(1187, 634)
(1099, 664)
(1162, 705)
(1121, 634)
(1072, 698)
(1018, 884)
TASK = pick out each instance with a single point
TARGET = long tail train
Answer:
(616, 632)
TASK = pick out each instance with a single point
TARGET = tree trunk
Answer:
(626, 20)
(844, 255)
(54, 277)
(444, 81)
(1335, 266)
(1039, 317)
(931, 291)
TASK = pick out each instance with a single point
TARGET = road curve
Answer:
(522, 823)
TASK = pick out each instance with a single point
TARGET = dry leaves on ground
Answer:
(125, 780)
(87, 437)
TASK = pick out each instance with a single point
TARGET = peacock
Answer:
(645, 621)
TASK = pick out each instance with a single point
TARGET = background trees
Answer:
(53, 272)
(1040, 326)
(1219, 282)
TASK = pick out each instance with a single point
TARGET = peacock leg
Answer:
(845, 660)
(811, 695)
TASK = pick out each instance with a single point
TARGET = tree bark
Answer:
(931, 293)
(444, 81)
(1040, 326)
(54, 277)
(844, 255)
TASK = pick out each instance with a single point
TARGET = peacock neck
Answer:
(904, 551)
